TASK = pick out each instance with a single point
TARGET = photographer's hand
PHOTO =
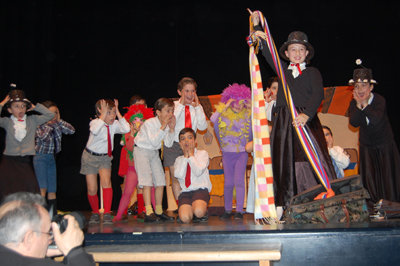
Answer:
(71, 238)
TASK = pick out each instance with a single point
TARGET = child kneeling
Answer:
(191, 170)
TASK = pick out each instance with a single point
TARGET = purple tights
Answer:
(234, 174)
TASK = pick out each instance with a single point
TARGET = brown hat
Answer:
(17, 95)
(300, 38)
(362, 74)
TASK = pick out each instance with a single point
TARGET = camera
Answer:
(62, 223)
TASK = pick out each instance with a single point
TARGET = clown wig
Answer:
(239, 92)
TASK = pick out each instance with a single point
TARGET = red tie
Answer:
(298, 67)
(187, 178)
(109, 150)
(188, 120)
(20, 120)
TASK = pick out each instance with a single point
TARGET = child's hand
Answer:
(32, 107)
(254, 17)
(228, 103)
(103, 109)
(196, 101)
(116, 103)
(6, 99)
(172, 123)
(191, 149)
(300, 120)
(249, 146)
(269, 95)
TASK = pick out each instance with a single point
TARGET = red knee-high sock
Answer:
(94, 203)
(107, 199)
(140, 203)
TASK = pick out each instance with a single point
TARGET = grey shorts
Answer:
(90, 164)
(170, 154)
(148, 167)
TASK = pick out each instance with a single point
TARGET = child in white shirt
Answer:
(188, 112)
(191, 170)
(148, 165)
(97, 155)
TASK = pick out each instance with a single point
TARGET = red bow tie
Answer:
(20, 120)
(298, 67)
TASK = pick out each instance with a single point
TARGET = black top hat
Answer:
(17, 95)
(300, 38)
(362, 74)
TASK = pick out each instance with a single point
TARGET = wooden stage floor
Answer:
(373, 243)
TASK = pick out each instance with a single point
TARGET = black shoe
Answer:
(165, 218)
(107, 218)
(151, 218)
(94, 218)
(200, 220)
(226, 215)
(178, 220)
(238, 216)
(133, 210)
(141, 216)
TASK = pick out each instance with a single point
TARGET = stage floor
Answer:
(372, 243)
(131, 224)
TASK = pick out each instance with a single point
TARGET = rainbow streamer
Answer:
(302, 133)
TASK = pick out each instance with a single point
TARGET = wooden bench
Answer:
(263, 253)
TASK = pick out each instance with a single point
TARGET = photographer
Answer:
(26, 232)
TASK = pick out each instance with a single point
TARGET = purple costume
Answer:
(233, 131)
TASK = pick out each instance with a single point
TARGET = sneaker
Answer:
(226, 215)
(94, 218)
(165, 218)
(238, 216)
(200, 220)
(107, 218)
(151, 218)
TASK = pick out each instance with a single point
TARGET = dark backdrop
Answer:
(75, 53)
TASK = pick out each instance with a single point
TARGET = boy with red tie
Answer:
(97, 155)
(191, 170)
(188, 113)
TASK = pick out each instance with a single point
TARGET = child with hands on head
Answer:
(191, 170)
(292, 171)
(148, 141)
(188, 113)
(16, 169)
(232, 125)
(97, 155)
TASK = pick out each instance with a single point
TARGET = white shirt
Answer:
(341, 159)
(197, 116)
(199, 175)
(151, 135)
(268, 109)
(20, 128)
(98, 140)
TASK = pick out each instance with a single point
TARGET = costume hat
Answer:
(362, 74)
(300, 38)
(17, 95)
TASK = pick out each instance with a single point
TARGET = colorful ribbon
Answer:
(302, 132)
